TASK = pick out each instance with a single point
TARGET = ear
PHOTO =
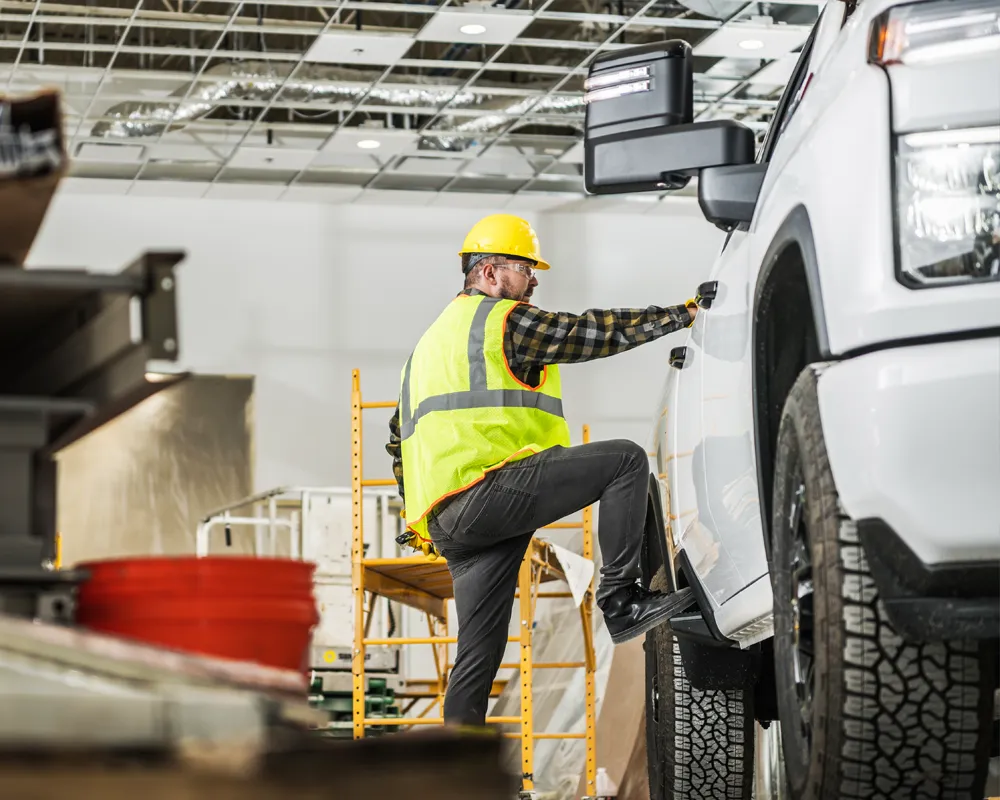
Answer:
(489, 272)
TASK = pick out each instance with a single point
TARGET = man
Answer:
(482, 450)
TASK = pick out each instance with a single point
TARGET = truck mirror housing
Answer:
(638, 132)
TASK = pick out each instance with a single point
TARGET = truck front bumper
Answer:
(913, 437)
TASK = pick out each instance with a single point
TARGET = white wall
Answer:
(298, 294)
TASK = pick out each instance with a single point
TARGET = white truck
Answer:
(829, 444)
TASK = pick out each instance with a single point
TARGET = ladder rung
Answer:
(435, 721)
(379, 482)
(420, 640)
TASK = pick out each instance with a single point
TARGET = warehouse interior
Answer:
(228, 226)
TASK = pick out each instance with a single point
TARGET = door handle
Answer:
(706, 294)
(677, 357)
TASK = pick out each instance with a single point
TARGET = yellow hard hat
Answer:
(504, 235)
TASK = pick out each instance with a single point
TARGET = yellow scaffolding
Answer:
(425, 585)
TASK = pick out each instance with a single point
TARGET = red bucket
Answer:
(248, 609)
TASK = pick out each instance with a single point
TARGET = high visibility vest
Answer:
(462, 411)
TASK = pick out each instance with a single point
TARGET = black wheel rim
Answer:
(801, 603)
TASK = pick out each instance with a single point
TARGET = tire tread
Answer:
(911, 717)
(706, 737)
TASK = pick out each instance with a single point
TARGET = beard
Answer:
(507, 291)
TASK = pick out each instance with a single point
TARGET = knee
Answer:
(635, 454)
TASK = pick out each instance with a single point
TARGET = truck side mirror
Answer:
(638, 131)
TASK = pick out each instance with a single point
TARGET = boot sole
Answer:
(680, 601)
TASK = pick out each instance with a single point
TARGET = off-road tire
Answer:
(699, 743)
(889, 718)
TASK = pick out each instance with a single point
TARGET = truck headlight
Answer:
(924, 33)
(948, 206)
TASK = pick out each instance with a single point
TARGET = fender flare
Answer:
(795, 230)
(655, 534)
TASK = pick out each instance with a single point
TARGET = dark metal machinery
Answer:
(75, 349)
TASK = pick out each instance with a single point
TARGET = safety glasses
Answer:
(524, 269)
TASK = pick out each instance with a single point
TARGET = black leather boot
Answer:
(633, 610)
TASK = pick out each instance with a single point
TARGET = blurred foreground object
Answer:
(32, 162)
(88, 716)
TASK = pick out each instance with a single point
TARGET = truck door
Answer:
(730, 475)
(689, 511)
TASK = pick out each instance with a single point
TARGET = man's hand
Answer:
(692, 309)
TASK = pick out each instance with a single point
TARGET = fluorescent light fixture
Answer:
(622, 76)
(612, 92)
(751, 44)
(369, 144)
(473, 30)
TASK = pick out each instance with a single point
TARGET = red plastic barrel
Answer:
(244, 608)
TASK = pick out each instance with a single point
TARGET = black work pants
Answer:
(485, 531)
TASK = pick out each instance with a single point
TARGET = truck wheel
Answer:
(863, 713)
(699, 744)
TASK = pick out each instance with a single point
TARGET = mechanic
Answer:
(481, 445)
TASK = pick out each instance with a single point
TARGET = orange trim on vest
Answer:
(469, 485)
(503, 350)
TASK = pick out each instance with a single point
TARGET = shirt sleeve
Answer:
(394, 448)
(540, 337)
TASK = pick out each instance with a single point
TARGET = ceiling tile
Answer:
(110, 151)
(359, 48)
(363, 141)
(431, 166)
(767, 41)
(272, 158)
(189, 151)
(500, 26)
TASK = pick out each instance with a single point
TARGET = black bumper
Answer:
(931, 602)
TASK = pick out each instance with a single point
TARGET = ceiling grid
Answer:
(295, 97)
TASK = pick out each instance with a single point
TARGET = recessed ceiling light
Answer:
(369, 144)
(751, 44)
(473, 30)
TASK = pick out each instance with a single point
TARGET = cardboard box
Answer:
(32, 162)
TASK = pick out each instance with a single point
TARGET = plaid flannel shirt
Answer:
(535, 338)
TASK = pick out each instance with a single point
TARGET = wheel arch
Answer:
(783, 343)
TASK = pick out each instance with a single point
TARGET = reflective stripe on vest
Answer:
(485, 420)
(482, 398)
